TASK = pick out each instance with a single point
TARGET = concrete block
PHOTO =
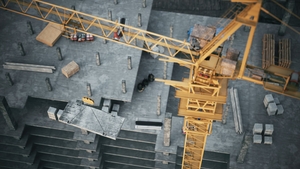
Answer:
(280, 109)
(59, 113)
(257, 128)
(268, 140)
(107, 103)
(52, 111)
(105, 109)
(268, 99)
(114, 113)
(272, 109)
(269, 129)
(116, 107)
(257, 139)
(167, 129)
(276, 101)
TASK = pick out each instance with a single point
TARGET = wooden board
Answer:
(284, 53)
(268, 53)
(50, 34)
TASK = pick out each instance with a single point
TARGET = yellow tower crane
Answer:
(201, 97)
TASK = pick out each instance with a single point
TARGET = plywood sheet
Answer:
(50, 34)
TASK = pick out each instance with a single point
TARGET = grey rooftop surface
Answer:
(105, 80)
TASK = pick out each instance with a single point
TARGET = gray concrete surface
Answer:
(105, 80)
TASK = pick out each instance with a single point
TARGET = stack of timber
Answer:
(268, 53)
(228, 64)
(236, 109)
(203, 34)
(50, 34)
(70, 69)
(284, 59)
(29, 67)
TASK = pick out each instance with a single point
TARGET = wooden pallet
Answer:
(268, 52)
(284, 53)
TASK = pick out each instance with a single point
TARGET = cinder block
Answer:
(116, 107)
(52, 113)
(268, 99)
(257, 139)
(59, 113)
(257, 128)
(268, 140)
(269, 128)
(276, 101)
(107, 103)
(105, 109)
(114, 113)
(280, 109)
(272, 109)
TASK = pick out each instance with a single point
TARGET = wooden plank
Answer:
(30, 65)
(26, 68)
(50, 34)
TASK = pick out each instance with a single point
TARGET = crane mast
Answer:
(203, 94)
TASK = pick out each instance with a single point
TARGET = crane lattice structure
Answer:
(203, 94)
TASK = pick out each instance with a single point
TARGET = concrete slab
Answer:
(106, 79)
(93, 120)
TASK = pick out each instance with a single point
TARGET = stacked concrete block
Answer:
(272, 109)
(257, 128)
(115, 109)
(59, 113)
(257, 138)
(107, 103)
(52, 113)
(269, 128)
(276, 101)
(105, 109)
(280, 109)
(268, 140)
(268, 99)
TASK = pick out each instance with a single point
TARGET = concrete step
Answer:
(160, 165)
(212, 165)
(171, 158)
(128, 153)
(56, 151)
(16, 165)
(17, 150)
(133, 145)
(128, 161)
(54, 142)
(137, 136)
(18, 158)
(6, 140)
(108, 165)
(52, 165)
(51, 133)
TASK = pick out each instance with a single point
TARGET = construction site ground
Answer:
(106, 79)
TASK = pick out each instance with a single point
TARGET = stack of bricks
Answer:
(52, 113)
(257, 133)
(268, 133)
(260, 135)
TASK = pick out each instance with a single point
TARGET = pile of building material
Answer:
(260, 135)
(50, 34)
(29, 67)
(268, 52)
(52, 113)
(70, 69)
(284, 52)
(236, 109)
(228, 63)
(273, 105)
(201, 35)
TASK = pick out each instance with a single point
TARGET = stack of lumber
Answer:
(203, 34)
(257, 74)
(228, 67)
(50, 34)
(268, 52)
(284, 59)
(28, 67)
(70, 69)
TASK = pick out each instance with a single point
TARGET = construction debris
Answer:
(70, 69)
(29, 67)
